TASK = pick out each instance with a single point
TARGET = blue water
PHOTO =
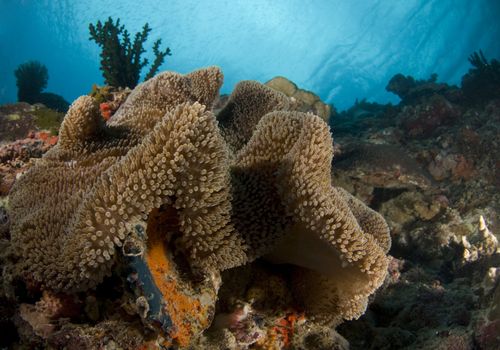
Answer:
(342, 50)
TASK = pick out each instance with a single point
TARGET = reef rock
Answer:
(413, 91)
(381, 165)
(423, 120)
(375, 171)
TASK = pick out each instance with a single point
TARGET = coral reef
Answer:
(15, 157)
(30, 130)
(19, 120)
(361, 115)
(425, 119)
(31, 79)
(378, 166)
(121, 61)
(109, 98)
(255, 240)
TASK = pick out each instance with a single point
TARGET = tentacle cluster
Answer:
(253, 182)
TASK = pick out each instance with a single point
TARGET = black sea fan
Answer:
(121, 61)
(32, 78)
(482, 81)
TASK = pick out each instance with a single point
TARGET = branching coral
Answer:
(121, 61)
(256, 183)
(480, 62)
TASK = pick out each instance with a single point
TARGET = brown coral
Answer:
(77, 205)
(324, 229)
(257, 184)
(248, 103)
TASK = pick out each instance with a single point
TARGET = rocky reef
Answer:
(430, 166)
(166, 217)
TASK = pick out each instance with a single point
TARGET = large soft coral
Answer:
(338, 240)
(80, 202)
(256, 183)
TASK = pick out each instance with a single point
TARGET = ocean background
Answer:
(341, 50)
